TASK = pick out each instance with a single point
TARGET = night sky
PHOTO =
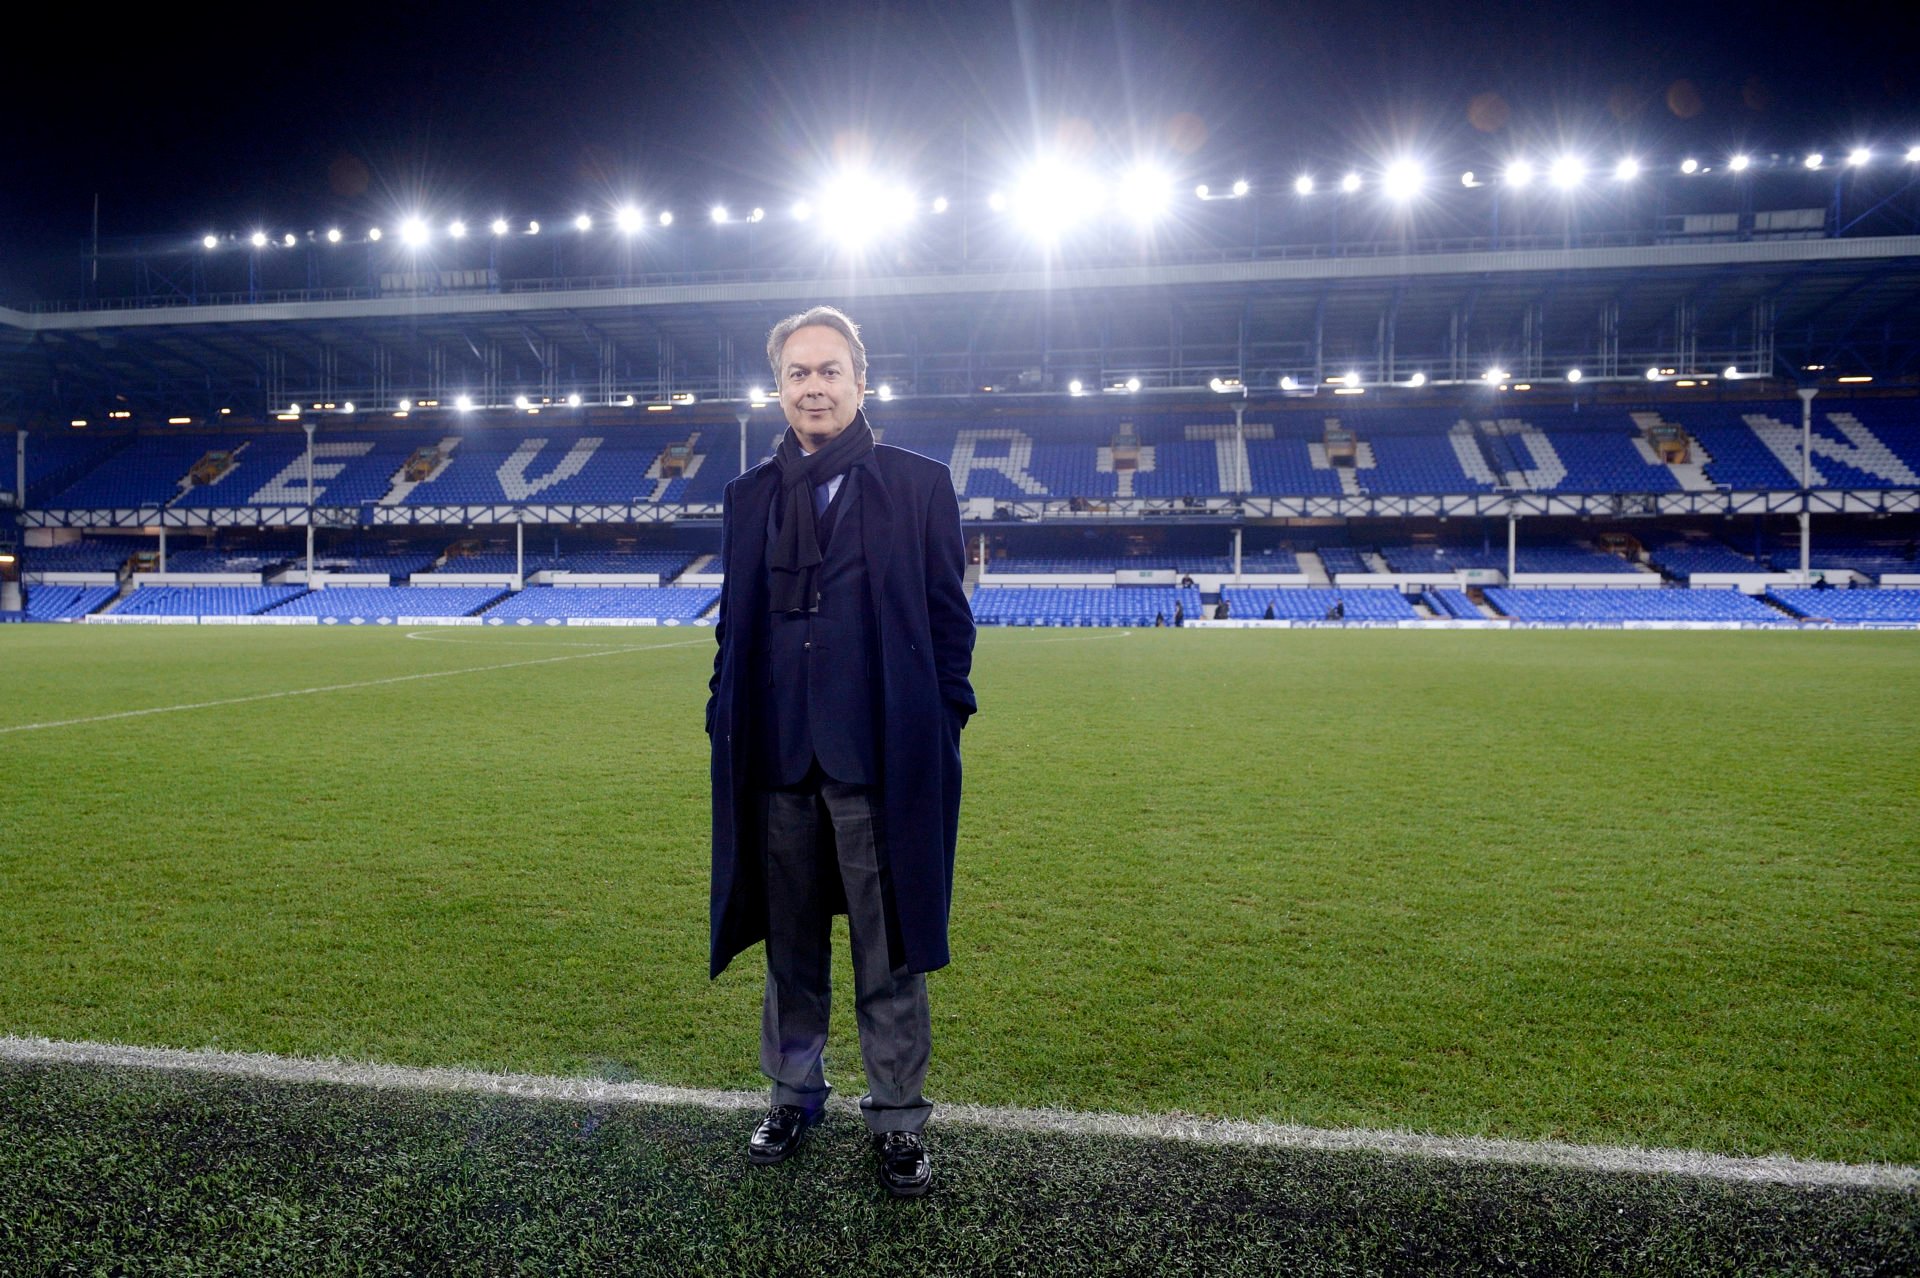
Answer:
(183, 125)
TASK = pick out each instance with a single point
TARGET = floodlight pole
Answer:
(1236, 553)
(308, 427)
(744, 417)
(1806, 394)
(1240, 449)
(163, 547)
(20, 469)
(1513, 540)
(519, 550)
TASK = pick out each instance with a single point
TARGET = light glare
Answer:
(1303, 185)
(258, 239)
(1568, 172)
(1519, 173)
(413, 232)
(1739, 163)
(583, 223)
(210, 241)
(1689, 165)
(1403, 180)
(627, 219)
(1350, 183)
(1627, 169)
(1858, 156)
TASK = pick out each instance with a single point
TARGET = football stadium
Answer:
(1442, 800)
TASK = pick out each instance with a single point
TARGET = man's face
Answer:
(818, 391)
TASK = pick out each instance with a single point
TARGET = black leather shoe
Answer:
(780, 1133)
(905, 1169)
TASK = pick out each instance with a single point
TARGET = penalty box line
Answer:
(1771, 1169)
(340, 687)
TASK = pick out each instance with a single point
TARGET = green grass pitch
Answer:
(1646, 888)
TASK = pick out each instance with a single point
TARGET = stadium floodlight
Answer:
(210, 241)
(413, 232)
(1913, 155)
(758, 215)
(288, 239)
(347, 407)
(1567, 172)
(1653, 374)
(573, 399)
(1574, 374)
(885, 392)
(521, 401)
(1689, 165)
(499, 226)
(1350, 378)
(718, 213)
(859, 207)
(293, 408)
(1417, 380)
(258, 239)
(1731, 372)
(406, 406)
(665, 218)
(1740, 163)
(374, 233)
(1240, 188)
(463, 402)
(1289, 382)
(1519, 173)
(1350, 183)
(1403, 180)
(627, 219)
(1076, 387)
(1303, 185)
(1053, 197)
(801, 210)
(1132, 385)
(756, 395)
(1627, 169)
(333, 235)
(1494, 376)
(1203, 192)
(940, 204)
(583, 223)
(1858, 157)
(1468, 180)
(533, 228)
(457, 229)
(1815, 160)
(1143, 194)
(997, 201)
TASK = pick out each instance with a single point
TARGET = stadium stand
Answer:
(102, 554)
(1855, 607)
(1583, 606)
(205, 601)
(272, 471)
(1088, 606)
(660, 603)
(1453, 604)
(1561, 559)
(1683, 559)
(1311, 603)
(340, 602)
(65, 603)
(1339, 559)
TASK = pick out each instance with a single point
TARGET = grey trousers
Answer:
(820, 828)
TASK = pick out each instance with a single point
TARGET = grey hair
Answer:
(827, 317)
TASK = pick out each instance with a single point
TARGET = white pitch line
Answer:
(1772, 1169)
(337, 687)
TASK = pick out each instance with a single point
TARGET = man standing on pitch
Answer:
(838, 695)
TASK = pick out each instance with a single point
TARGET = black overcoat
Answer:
(923, 625)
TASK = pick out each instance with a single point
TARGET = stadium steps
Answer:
(1316, 570)
(701, 563)
(1374, 561)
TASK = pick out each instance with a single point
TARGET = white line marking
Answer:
(1108, 634)
(1772, 1169)
(339, 687)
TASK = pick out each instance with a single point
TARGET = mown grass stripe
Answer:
(336, 687)
(1168, 1127)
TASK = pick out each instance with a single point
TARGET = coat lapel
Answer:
(876, 525)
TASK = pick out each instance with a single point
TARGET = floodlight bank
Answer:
(1771, 1169)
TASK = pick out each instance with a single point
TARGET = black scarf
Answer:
(795, 555)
